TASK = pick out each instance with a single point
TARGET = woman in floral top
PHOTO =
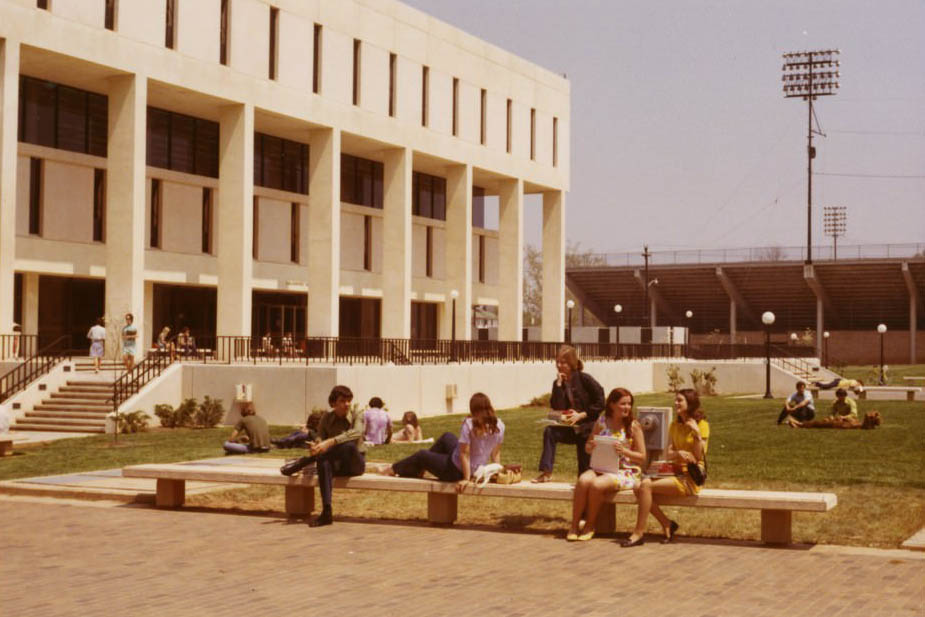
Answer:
(593, 488)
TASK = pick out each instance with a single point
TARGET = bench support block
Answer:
(6, 447)
(776, 526)
(170, 493)
(606, 519)
(300, 500)
(441, 507)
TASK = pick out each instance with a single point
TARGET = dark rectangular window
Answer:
(393, 69)
(256, 228)
(509, 135)
(423, 321)
(35, 196)
(170, 32)
(478, 207)
(356, 71)
(155, 213)
(368, 243)
(274, 40)
(483, 103)
(532, 134)
(481, 259)
(428, 196)
(224, 32)
(99, 204)
(109, 21)
(182, 143)
(425, 94)
(429, 265)
(294, 234)
(62, 117)
(42, 4)
(280, 164)
(455, 106)
(555, 142)
(361, 181)
(206, 220)
(316, 61)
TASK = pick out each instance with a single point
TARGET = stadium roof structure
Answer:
(854, 294)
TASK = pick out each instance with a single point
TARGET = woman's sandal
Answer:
(672, 529)
(571, 537)
(586, 536)
(540, 479)
(631, 543)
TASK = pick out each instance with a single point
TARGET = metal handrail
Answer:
(33, 367)
(131, 382)
(17, 346)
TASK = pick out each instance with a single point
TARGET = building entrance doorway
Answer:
(279, 314)
(69, 306)
(185, 306)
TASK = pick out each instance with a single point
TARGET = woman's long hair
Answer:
(612, 399)
(484, 420)
(693, 404)
(410, 418)
(570, 355)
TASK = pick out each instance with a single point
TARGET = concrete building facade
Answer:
(313, 167)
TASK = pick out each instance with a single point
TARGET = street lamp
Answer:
(687, 339)
(793, 338)
(825, 349)
(882, 330)
(453, 294)
(618, 308)
(568, 333)
(767, 318)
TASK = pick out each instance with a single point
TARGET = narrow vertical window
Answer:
(274, 43)
(430, 251)
(99, 204)
(425, 98)
(368, 243)
(316, 61)
(482, 115)
(170, 33)
(509, 106)
(356, 71)
(110, 18)
(555, 142)
(393, 62)
(42, 4)
(35, 196)
(455, 106)
(294, 234)
(481, 259)
(224, 32)
(532, 134)
(155, 213)
(256, 228)
(207, 220)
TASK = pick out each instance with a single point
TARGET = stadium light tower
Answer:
(834, 222)
(807, 75)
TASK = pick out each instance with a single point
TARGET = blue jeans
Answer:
(563, 434)
(438, 460)
(233, 447)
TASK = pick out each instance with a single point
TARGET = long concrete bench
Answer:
(910, 391)
(776, 507)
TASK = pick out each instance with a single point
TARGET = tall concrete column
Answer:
(324, 233)
(149, 326)
(511, 260)
(553, 266)
(820, 325)
(9, 120)
(459, 251)
(30, 303)
(235, 220)
(396, 246)
(733, 326)
(125, 202)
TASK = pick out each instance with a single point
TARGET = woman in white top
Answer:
(97, 336)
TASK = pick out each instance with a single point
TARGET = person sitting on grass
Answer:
(302, 435)
(842, 406)
(855, 385)
(411, 429)
(251, 433)
(378, 423)
(688, 438)
(455, 460)
(341, 451)
(799, 406)
(594, 487)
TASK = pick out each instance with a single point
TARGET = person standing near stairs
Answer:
(129, 335)
(97, 336)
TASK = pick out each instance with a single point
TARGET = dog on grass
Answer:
(871, 420)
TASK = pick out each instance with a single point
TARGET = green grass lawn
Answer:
(878, 475)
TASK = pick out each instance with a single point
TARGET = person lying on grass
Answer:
(455, 460)
(411, 429)
(593, 487)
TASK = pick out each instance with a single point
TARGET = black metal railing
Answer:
(18, 346)
(33, 367)
(131, 382)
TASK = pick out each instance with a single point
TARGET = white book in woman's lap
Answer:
(604, 457)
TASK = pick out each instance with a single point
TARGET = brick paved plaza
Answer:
(84, 558)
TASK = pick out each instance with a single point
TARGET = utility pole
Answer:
(803, 78)
(648, 312)
(834, 221)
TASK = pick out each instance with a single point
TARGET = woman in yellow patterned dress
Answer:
(593, 488)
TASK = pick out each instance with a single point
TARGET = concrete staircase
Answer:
(80, 406)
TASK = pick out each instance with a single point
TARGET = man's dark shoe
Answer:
(325, 518)
(292, 467)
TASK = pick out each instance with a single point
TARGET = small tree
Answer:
(675, 381)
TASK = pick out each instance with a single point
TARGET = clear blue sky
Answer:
(681, 136)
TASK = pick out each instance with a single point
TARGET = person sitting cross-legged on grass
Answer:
(254, 428)
(594, 487)
(341, 451)
(378, 423)
(455, 460)
(688, 438)
(798, 407)
(842, 406)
